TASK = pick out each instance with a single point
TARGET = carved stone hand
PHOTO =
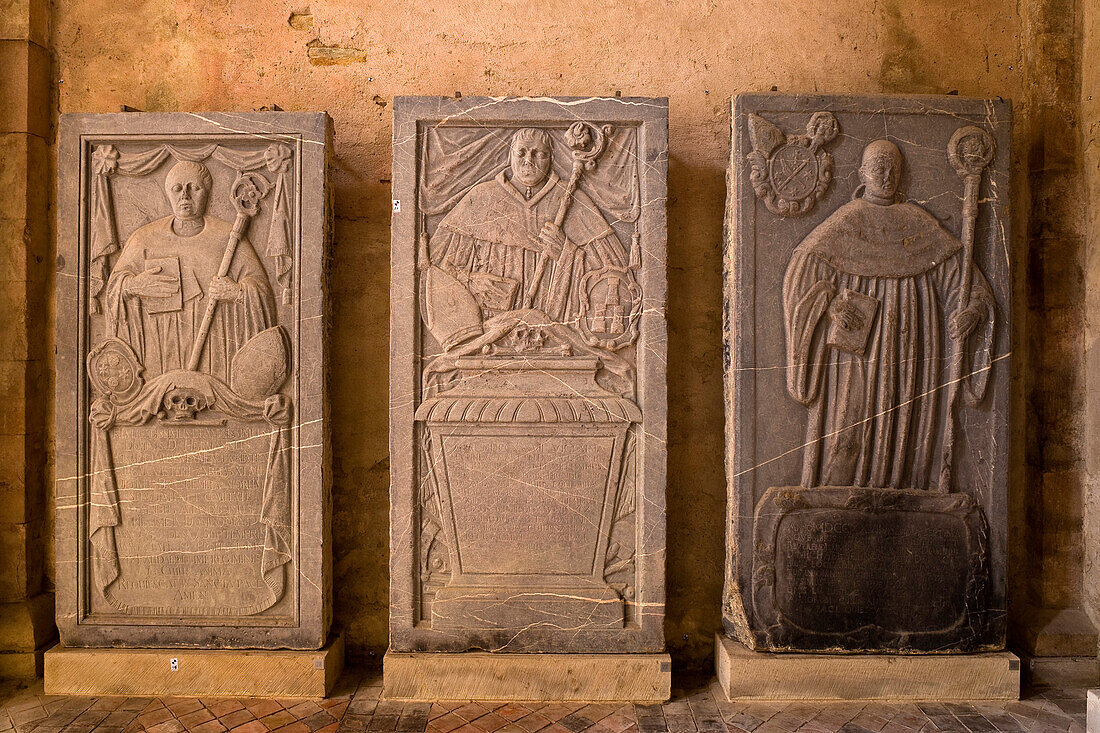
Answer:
(552, 239)
(963, 323)
(151, 284)
(224, 288)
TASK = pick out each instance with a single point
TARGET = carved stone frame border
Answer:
(781, 501)
(309, 134)
(651, 118)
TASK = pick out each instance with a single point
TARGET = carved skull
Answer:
(183, 403)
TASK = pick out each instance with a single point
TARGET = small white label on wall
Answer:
(396, 206)
(175, 664)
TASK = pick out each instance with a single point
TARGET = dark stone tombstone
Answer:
(867, 382)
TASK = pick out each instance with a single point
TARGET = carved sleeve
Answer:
(807, 290)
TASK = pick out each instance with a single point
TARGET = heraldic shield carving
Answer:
(187, 350)
(527, 479)
(869, 434)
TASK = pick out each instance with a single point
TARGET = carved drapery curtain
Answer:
(458, 158)
(275, 513)
(107, 161)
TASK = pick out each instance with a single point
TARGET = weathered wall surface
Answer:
(351, 59)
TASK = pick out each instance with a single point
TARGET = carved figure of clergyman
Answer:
(871, 322)
(157, 292)
(492, 240)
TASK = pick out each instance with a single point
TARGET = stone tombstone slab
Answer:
(527, 375)
(867, 299)
(192, 480)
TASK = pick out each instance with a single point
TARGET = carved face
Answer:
(530, 158)
(188, 188)
(881, 169)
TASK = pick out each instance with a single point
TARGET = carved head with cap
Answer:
(880, 171)
(188, 189)
(530, 157)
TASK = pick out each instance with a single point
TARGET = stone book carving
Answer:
(528, 375)
(867, 387)
(192, 497)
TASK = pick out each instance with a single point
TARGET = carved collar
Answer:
(551, 181)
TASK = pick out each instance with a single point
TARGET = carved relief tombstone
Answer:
(192, 494)
(527, 376)
(868, 338)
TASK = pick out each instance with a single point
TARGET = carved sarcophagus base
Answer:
(849, 568)
(526, 481)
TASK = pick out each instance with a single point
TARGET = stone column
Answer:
(1090, 159)
(1053, 626)
(26, 608)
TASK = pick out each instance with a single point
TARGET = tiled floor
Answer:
(356, 706)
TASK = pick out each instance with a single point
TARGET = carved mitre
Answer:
(262, 365)
(450, 309)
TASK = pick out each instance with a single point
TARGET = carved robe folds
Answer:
(867, 284)
(191, 491)
(528, 465)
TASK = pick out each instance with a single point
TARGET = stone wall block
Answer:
(24, 87)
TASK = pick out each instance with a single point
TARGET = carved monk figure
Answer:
(492, 240)
(868, 298)
(157, 292)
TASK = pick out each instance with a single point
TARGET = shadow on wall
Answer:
(696, 422)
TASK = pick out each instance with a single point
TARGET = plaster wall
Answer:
(351, 58)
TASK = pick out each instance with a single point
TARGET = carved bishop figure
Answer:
(493, 239)
(869, 296)
(159, 288)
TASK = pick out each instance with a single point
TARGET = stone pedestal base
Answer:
(26, 632)
(193, 672)
(748, 675)
(642, 678)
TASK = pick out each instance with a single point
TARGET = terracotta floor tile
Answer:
(471, 710)
(196, 717)
(318, 720)
(28, 715)
(168, 726)
(253, 726)
(224, 707)
(513, 711)
(183, 707)
(446, 723)
(295, 727)
(210, 726)
(263, 708)
(489, 723)
(235, 718)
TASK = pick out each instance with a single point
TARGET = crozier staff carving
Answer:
(877, 299)
(192, 342)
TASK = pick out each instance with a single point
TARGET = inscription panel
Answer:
(528, 291)
(192, 537)
(190, 381)
(553, 488)
(875, 231)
